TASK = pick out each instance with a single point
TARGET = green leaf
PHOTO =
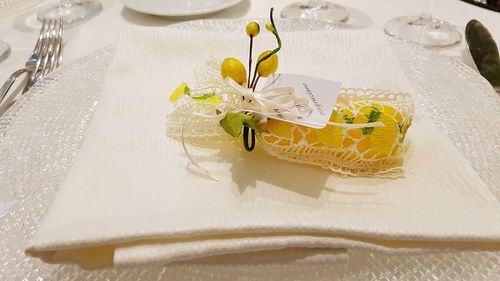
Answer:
(204, 96)
(347, 119)
(187, 91)
(232, 123)
(367, 130)
(374, 115)
(252, 123)
(208, 97)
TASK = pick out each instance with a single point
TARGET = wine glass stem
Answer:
(430, 9)
(426, 16)
(67, 3)
(315, 4)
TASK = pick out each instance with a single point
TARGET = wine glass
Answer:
(316, 9)
(71, 10)
(4, 50)
(423, 29)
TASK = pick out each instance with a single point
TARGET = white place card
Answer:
(321, 94)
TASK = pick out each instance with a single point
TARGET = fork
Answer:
(46, 56)
(51, 54)
(30, 65)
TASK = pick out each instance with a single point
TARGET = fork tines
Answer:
(49, 47)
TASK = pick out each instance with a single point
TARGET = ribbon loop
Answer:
(271, 102)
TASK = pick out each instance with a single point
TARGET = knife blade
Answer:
(484, 51)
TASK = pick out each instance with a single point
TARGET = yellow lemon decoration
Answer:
(234, 69)
(253, 29)
(269, 66)
(267, 62)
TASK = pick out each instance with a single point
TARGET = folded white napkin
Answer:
(131, 198)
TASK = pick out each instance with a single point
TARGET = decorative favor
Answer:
(293, 117)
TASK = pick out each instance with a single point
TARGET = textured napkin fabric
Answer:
(132, 197)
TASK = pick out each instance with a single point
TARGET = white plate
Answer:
(41, 134)
(177, 8)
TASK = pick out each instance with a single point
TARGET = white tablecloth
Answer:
(20, 29)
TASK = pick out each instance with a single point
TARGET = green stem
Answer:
(248, 146)
(275, 32)
(250, 62)
(255, 84)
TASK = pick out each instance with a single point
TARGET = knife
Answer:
(484, 51)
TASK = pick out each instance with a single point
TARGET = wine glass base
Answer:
(72, 12)
(327, 11)
(426, 31)
(4, 50)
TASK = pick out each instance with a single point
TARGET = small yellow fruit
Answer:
(268, 66)
(269, 26)
(253, 29)
(233, 68)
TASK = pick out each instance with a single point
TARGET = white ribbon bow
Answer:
(282, 103)
(277, 102)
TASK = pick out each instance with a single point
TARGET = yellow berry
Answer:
(269, 66)
(269, 26)
(253, 29)
(234, 69)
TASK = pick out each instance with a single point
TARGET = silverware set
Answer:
(46, 56)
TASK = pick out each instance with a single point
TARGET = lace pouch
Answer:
(351, 149)
(349, 145)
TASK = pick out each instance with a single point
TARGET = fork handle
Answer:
(8, 84)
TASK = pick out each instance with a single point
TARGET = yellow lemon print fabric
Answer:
(359, 150)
